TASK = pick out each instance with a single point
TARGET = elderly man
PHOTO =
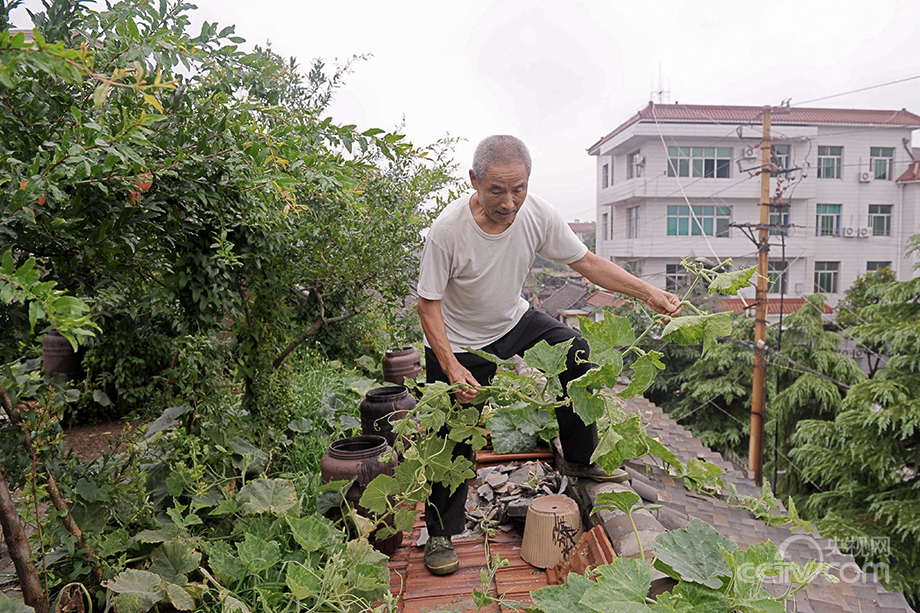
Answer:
(476, 257)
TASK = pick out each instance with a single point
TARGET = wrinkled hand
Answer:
(458, 374)
(663, 302)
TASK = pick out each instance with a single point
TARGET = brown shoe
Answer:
(440, 557)
(593, 472)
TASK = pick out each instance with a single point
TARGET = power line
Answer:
(856, 91)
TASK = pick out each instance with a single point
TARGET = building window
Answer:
(880, 219)
(605, 175)
(881, 160)
(705, 220)
(632, 222)
(876, 266)
(829, 162)
(633, 267)
(675, 277)
(776, 277)
(827, 220)
(605, 234)
(779, 221)
(709, 162)
(826, 277)
(634, 165)
(781, 156)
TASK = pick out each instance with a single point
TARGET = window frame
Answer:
(885, 217)
(632, 222)
(785, 158)
(684, 224)
(827, 272)
(675, 277)
(888, 161)
(605, 221)
(820, 215)
(835, 158)
(777, 275)
(782, 215)
(691, 162)
(605, 176)
(633, 168)
(876, 268)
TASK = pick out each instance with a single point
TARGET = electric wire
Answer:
(858, 90)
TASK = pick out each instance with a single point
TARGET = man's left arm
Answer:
(610, 276)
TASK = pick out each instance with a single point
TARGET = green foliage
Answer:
(713, 575)
(863, 457)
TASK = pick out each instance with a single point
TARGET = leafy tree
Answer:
(864, 458)
(190, 189)
(864, 291)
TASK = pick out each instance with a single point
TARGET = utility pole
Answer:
(755, 450)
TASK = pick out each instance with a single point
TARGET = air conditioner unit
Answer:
(749, 153)
(865, 232)
(849, 232)
(865, 176)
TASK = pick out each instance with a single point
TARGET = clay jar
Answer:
(58, 357)
(401, 363)
(358, 458)
(381, 407)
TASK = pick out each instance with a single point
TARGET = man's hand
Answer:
(456, 373)
(662, 302)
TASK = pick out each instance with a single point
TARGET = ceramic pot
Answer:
(401, 363)
(381, 407)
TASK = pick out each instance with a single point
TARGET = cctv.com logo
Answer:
(803, 547)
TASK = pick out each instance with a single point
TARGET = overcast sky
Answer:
(561, 74)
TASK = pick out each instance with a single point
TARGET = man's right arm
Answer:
(432, 319)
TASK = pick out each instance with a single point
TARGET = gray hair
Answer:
(499, 149)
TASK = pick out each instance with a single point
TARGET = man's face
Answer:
(501, 191)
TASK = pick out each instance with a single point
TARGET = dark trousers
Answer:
(445, 512)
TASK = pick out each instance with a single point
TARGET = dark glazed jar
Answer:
(358, 458)
(400, 363)
(58, 357)
(381, 407)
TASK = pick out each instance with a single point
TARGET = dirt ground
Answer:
(89, 442)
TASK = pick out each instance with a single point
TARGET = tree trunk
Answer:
(18, 545)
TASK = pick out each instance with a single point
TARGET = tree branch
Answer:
(313, 329)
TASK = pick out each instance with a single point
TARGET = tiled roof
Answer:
(911, 174)
(711, 113)
(582, 226)
(602, 299)
(563, 298)
(790, 305)
(856, 593)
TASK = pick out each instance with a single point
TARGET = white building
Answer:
(853, 193)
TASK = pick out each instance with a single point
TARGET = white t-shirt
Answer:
(478, 276)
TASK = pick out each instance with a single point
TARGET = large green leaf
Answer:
(173, 560)
(621, 587)
(694, 554)
(548, 358)
(138, 590)
(645, 369)
(273, 496)
(179, 598)
(563, 598)
(622, 441)
(301, 581)
(622, 501)
(374, 497)
(606, 337)
(692, 598)
(257, 553)
(507, 437)
(732, 281)
(697, 329)
(312, 532)
(749, 567)
(584, 392)
(13, 605)
(224, 563)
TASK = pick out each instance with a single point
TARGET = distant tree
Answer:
(866, 290)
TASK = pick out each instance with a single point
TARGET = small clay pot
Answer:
(58, 356)
(400, 364)
(381, 407)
